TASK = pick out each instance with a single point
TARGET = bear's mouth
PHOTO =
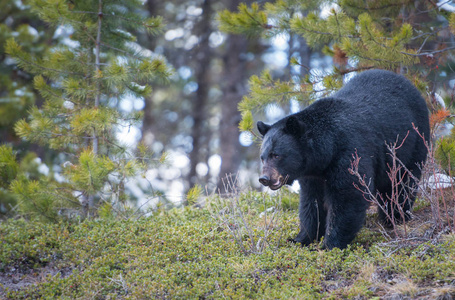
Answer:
(278, 184)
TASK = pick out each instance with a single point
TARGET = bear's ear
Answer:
(293, 126)
(263, 128)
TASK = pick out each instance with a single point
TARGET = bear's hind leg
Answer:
(345, 218)
(399, 200)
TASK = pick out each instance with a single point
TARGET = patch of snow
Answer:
(43, 169)
(268, 210)
(68, 104)
(440, 181)
(443, 130)
(444, 5)
(295, 187)
(326, 10)
(439, 99)
(33, 32)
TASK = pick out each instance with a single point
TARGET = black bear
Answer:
(316, 146)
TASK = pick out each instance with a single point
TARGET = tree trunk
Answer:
(148, 121)
(233, 88)
(305, 56)
(203, 56)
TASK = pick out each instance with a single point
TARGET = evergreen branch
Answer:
(266, 26)
(386, 46)
(347, 71)
(109, 141)
(323, 33)
(380, 60)
(254, 134)
(429, 34)
(327, 33)
(122, 51)
(97, 70)
(50, 133)
(374, 8)
(248, 21)
(114, 48)
(423, 43)
(91, 185)
(407, 53)
(37, 208)
(338, 24)
(84, 12)
(429, 52)
(280, 94)
(141, 23)
(373, 38)
(59, 97)
(48, 69)
(64, 197)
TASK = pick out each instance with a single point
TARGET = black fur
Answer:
(315, 147)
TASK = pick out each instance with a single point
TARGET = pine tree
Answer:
(82, 81)
(8, 171)
(16, 89)
(409, 37)
(17, 94)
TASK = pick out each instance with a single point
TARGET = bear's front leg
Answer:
(311, 211)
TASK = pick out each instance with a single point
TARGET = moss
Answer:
(368, 237)
(184, 253)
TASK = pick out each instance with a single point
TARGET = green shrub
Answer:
(185, 253)
(445, 153)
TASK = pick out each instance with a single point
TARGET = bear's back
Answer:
(382, 89)
(377, 83)
(384, 99)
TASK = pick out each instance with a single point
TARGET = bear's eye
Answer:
(274, 156)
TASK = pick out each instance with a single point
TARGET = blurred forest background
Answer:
(127, 106)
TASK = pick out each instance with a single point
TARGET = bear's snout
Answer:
(272, 179)
(264, 180)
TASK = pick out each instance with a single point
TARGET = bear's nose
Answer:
(264, 180)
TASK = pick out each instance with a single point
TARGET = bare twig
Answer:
(398, 197)
(231, 215)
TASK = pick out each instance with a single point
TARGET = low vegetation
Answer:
(65, 238)
(208, 252)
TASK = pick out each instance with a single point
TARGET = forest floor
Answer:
(230, 249)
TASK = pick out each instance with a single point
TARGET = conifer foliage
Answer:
(409, 37)
(82, 82)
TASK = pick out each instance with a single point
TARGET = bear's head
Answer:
(282, 152)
